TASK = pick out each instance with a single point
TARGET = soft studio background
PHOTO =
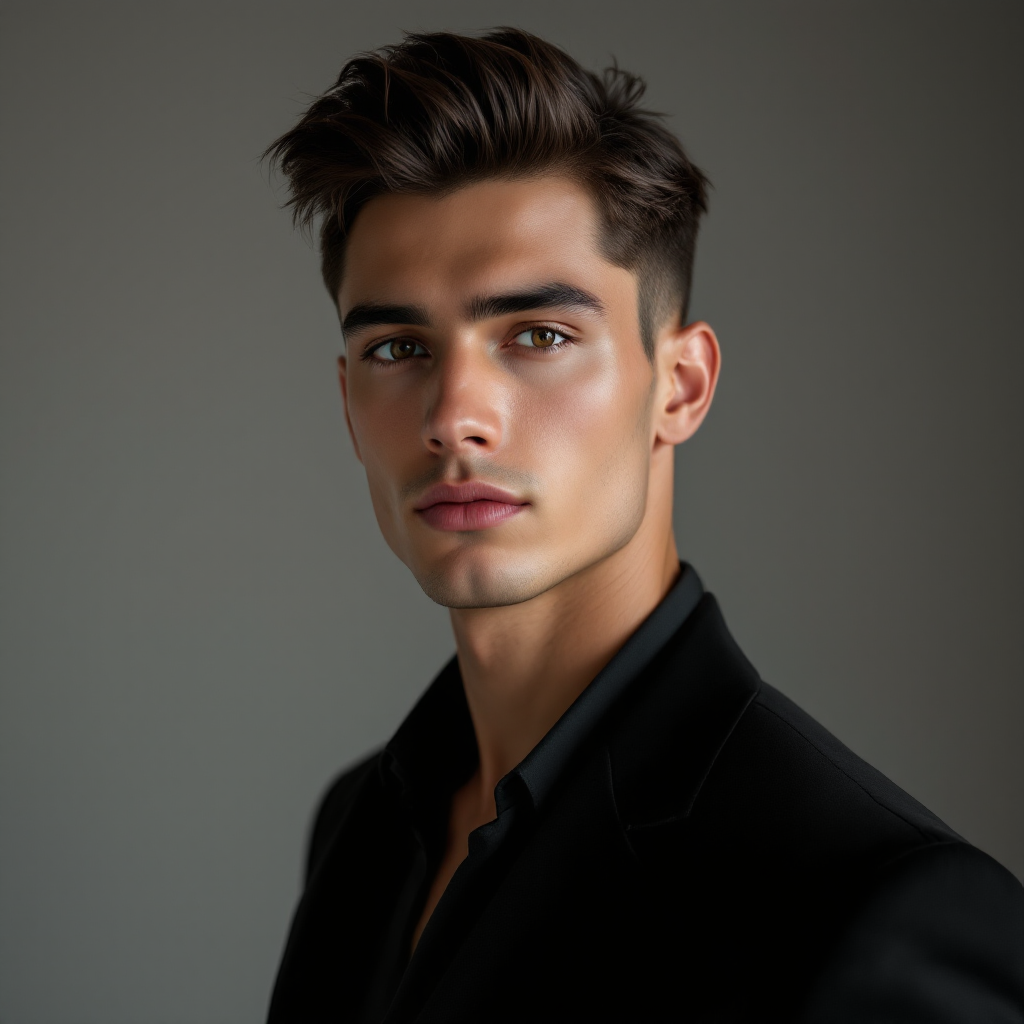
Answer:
(200, 623)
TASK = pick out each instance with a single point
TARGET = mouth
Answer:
(467, 506)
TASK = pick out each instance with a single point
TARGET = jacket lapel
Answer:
(669, 737)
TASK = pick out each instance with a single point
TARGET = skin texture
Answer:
(581, 433)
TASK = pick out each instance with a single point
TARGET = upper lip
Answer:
(471, 490)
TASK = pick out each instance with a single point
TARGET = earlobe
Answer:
(689, 360)
(343, 382)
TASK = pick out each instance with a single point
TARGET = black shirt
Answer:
(434, 753)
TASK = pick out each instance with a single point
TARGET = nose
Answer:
(463, 414)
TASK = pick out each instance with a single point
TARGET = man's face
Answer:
(496, 387)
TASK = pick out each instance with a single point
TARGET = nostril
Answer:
(455, 443)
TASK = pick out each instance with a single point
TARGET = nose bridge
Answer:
(463, 410)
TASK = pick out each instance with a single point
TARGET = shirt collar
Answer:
(434, 750)
(540, 769)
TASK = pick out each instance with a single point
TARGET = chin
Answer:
(478, 579)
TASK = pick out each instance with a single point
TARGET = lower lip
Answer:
(468, 515)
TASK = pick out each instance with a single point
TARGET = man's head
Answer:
(509, 241)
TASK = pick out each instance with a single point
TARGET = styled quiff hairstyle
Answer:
(439, 111)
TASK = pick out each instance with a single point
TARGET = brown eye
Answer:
(541, 337)
(397, 350)
(402, 349)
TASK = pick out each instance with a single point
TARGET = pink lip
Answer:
(469, 506)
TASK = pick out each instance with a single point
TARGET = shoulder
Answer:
(831, 865)
(336, 803)
(804, 803)
(787, 761)
(939, 938)
(776, 842)
(705, 739)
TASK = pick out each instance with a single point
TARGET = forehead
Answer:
(482, 238)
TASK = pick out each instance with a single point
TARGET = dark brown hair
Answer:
(441, 110)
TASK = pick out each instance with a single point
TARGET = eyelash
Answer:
(386, 364)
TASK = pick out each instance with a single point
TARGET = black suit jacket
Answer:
(712, 855)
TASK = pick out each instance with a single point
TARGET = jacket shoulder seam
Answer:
(867, 792)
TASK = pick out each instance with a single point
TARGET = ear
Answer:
(343, 381)
(687, 363)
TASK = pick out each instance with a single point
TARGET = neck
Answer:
(524, 664)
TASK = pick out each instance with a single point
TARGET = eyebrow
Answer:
(379, 314)
(562, 296)
(555, 295)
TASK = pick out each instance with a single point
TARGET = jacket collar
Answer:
(668, 735)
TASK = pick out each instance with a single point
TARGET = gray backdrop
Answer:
(200, 624)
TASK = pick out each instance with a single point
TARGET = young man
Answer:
(597, 811)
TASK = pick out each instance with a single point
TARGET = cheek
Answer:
(590, 432)
(382, 427)
(381, 422)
